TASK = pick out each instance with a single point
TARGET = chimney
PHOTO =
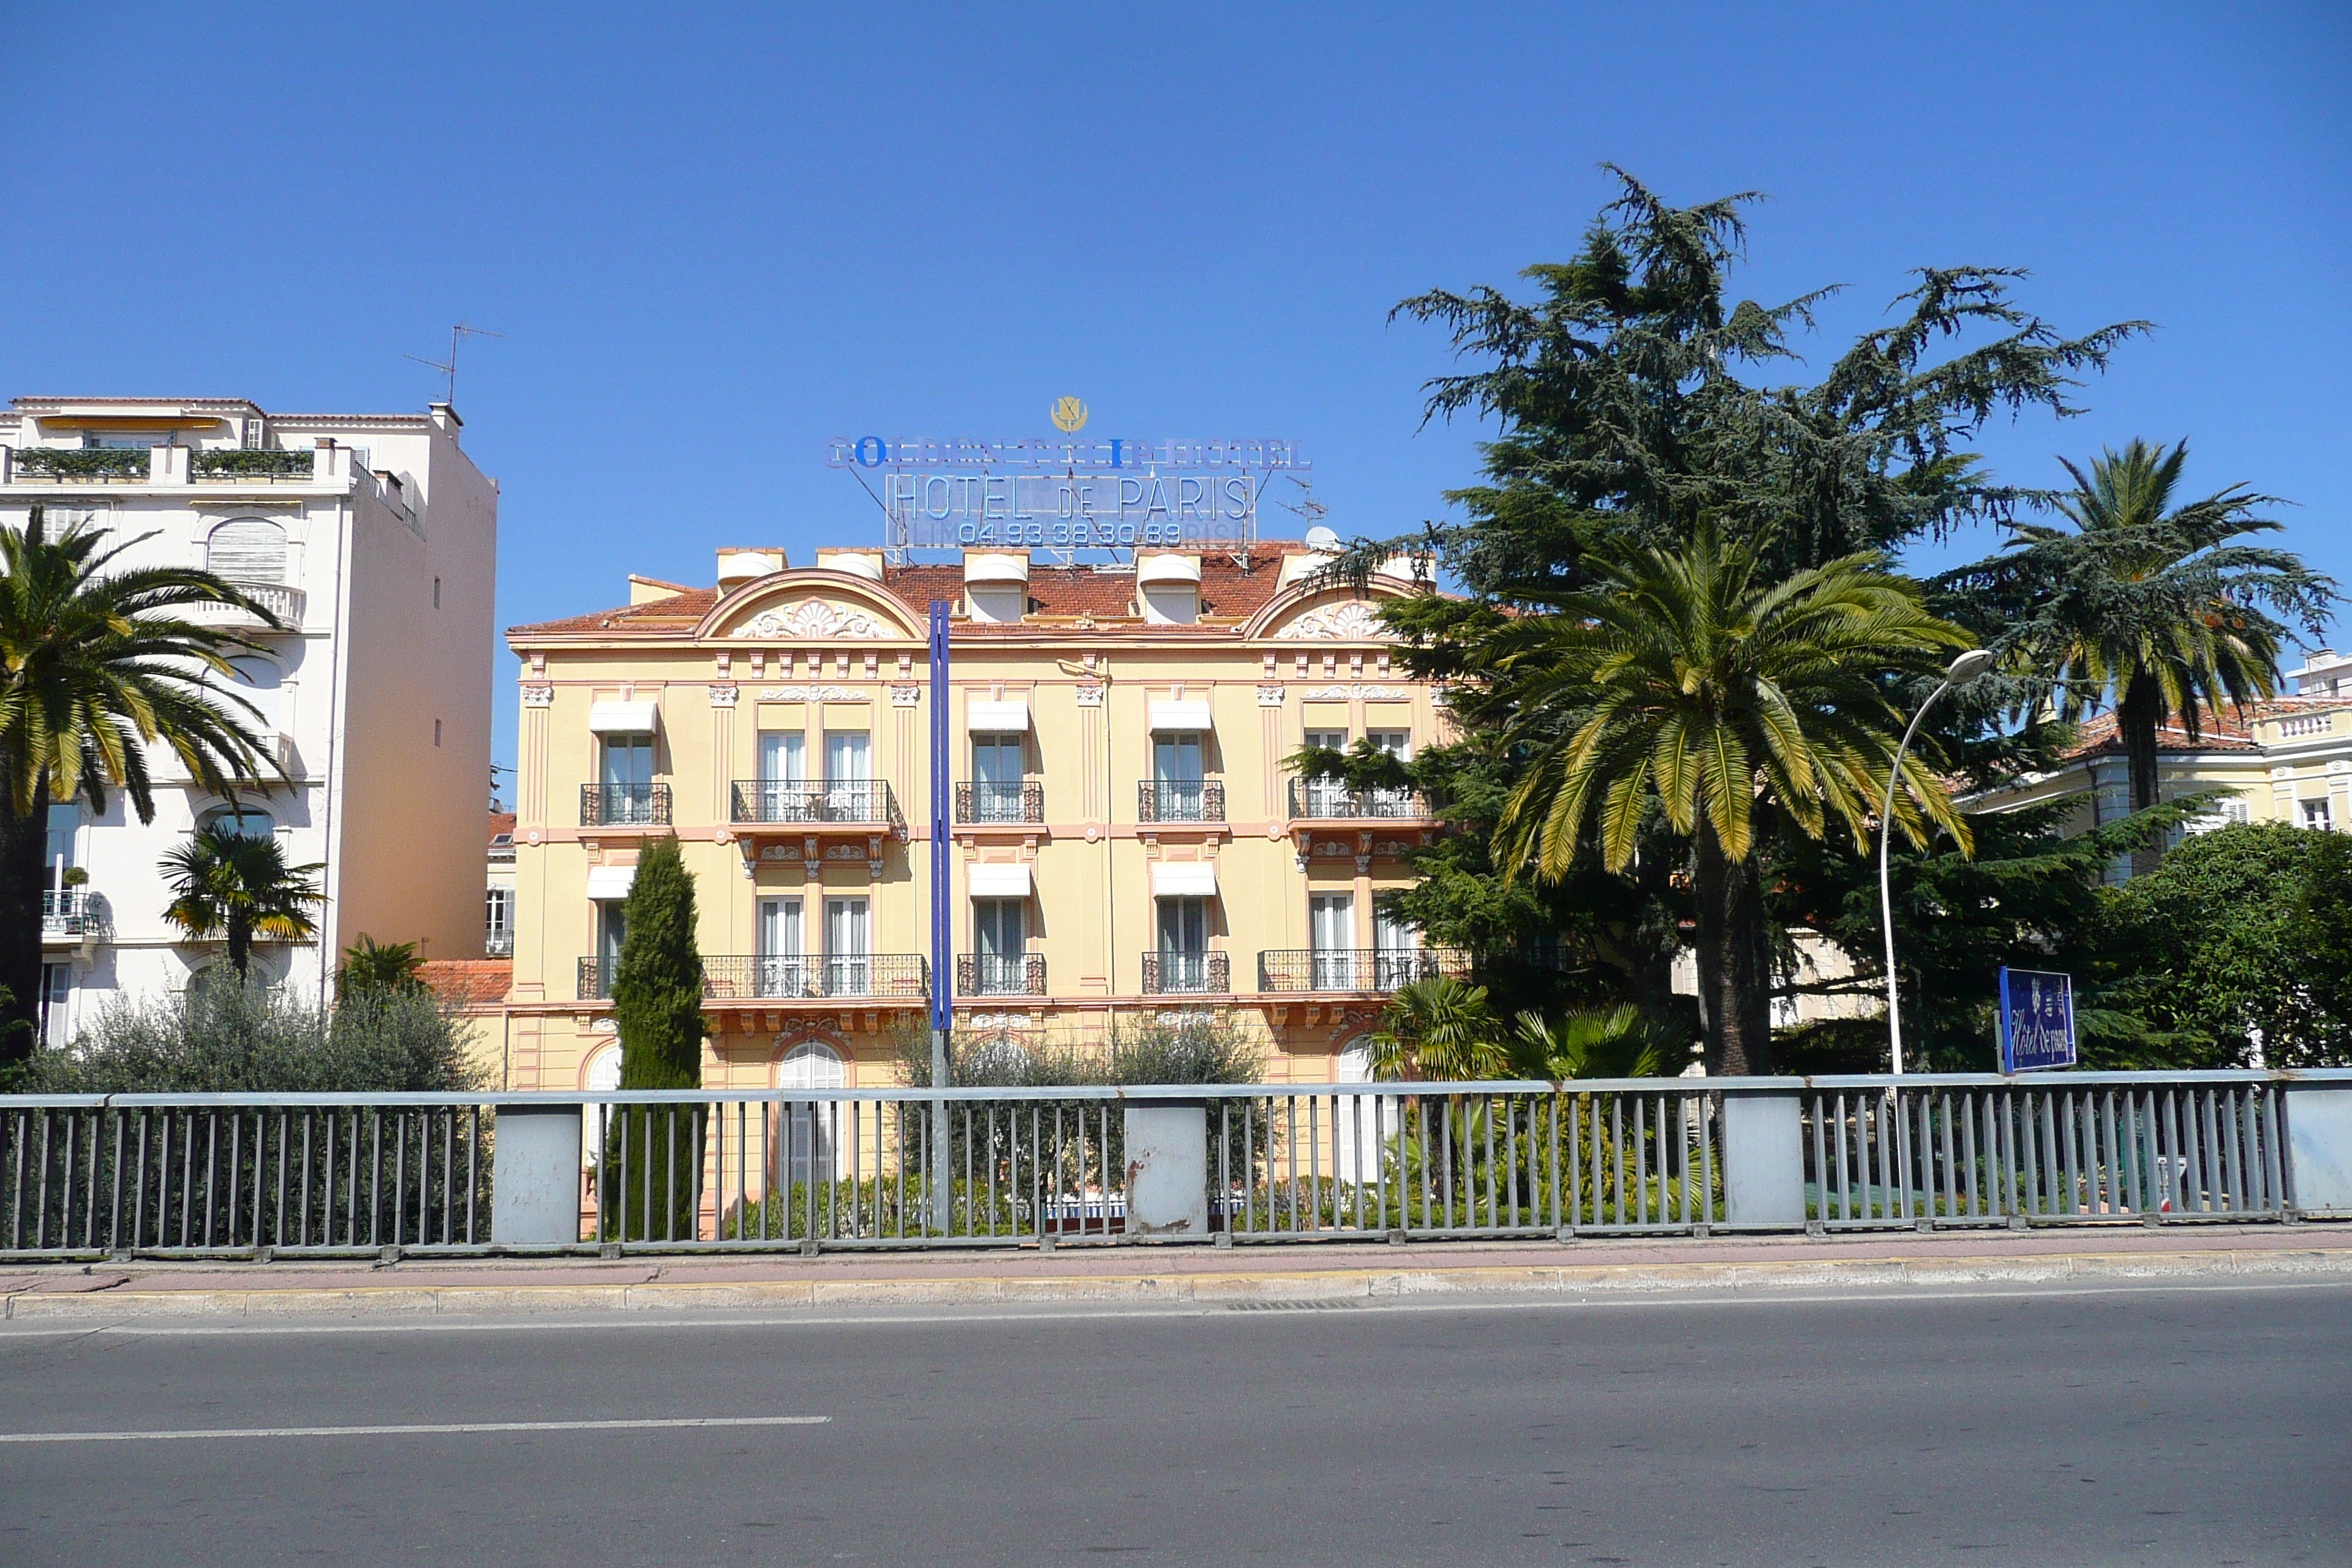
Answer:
(738, 566)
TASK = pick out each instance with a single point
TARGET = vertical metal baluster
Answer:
(2233, 1158)
(1290, 1153)
(172, 1114)
(1706, 1129)
(16, 1181)
(1471, 1196)
(1429, 1172)
(1315, 1161)
(2208, 1148)
(1102, 1146)
(2274, 1157)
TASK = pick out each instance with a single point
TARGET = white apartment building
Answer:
(373, 538)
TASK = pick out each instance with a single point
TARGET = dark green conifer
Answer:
(652, 1156)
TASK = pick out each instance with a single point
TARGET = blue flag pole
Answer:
(942, 925)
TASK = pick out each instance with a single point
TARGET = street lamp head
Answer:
(1968, 665)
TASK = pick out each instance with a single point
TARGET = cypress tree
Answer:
(658, 1006)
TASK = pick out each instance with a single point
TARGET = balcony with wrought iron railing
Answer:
(1330, 800)
(1001, 974)
(1170, 973)
(1355, 969)
(1180, 800)
(67, 915)
(855, 802)
(624, 806)
(982, 802)
(770, 977)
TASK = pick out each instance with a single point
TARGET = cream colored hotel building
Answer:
(1127, 839)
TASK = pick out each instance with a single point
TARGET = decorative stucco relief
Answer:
(538, 696)
(815, 618)
(813, 694)
(1270, 696)
(1364, 693)
(1351, 620)
(722, 696)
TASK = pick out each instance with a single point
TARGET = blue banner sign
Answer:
(1067, 493)
(2037, 1020)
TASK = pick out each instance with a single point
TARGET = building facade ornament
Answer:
(538, 696)
(813, 694)
(1270, 696)
(1351, 620)
(812, 619)
(723, 696)
(906, 697)
(1090, 694)
(1358, 693)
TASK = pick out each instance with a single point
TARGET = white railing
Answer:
(286, 604)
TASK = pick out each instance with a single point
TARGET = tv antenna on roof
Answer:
(456, 333)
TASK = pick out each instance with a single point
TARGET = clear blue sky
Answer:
(712, 243)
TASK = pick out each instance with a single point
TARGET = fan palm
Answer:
(238, 885)
(1611, 1042)
(2149, 607)
(95, 665)
(1695, 682)
(1441, 1029)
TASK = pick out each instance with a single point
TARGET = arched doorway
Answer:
(809, 1131)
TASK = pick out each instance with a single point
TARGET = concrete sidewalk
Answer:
(1112, 1274)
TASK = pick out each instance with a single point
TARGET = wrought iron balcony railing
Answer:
(791, 978)
(1354, 968)
(1317, 800)
(1180, 800)
(624, 806)
(1001, 974)
(984, 802)
(66, 914)
(1173, 973)
(862, 801)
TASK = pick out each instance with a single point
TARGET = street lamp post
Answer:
(1963, 671)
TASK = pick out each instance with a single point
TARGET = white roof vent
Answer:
(866, 563)
(736, 567)
(995, 566)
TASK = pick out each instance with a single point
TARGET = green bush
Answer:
(82, 462)
(225, 1038)
(239, 461)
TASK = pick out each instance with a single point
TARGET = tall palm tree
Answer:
(238, 885)
(1695, 682)
(2147, 608)
(96, 665)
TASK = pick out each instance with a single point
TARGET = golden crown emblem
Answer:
(1069, 415)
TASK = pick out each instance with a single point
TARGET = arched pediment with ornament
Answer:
(812, 606)
(1332, 614)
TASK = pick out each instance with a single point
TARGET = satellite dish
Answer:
(1321, 538)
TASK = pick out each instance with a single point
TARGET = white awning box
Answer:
(608, 882)
(623, 717)
(1183, 879)
(1007, 718)
(995, 882)
(1168, 716)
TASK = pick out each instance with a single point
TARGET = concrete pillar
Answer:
(1763, 1157)
(1167, 1168)
(2319, 1148)
(535, 1175)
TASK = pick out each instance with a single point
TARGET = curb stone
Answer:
(1205, 1290)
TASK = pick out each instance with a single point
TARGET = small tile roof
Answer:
(1227, 590)
(470, 983)
(502, 822)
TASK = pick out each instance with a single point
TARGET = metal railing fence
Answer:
(1355, 969)
(162, 1175)
(1174, 972)
(1964, 1152)
(1001, 974)
(984, 801)
(808, 1168)
(857, 800)
(734, 977)
(624, 806)
(1180, 800)
(1331, 799)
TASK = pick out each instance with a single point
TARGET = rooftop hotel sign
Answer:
(1068, 493)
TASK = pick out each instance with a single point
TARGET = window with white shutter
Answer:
(248, 549)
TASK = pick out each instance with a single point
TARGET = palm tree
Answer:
(96, 665)
(238, 885)
(1442, 1030)
(1695, 684)
(2149, 607)
(370, 967)
(1610, 1042)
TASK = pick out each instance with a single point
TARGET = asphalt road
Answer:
(2160, 1427)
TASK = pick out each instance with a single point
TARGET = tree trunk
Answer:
(240, 945)
(2135, 724)
(1734, 978)
(24, 848)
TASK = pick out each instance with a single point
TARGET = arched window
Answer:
(810, 1129)
(249, 820)
(1363, 1122)
(249, 549)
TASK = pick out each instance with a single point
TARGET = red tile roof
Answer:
(502, 822)
(1226, 590)
(2229, 730)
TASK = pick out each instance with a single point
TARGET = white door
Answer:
(1397, 950)
(783, 774)
(780, 965)
(809, 1131)
(1000, 930)
(1397, 744)
(1331, 933)
(848, 776)
(999, 766)
(1326, 797)
(848, 961)
(1176, 773)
